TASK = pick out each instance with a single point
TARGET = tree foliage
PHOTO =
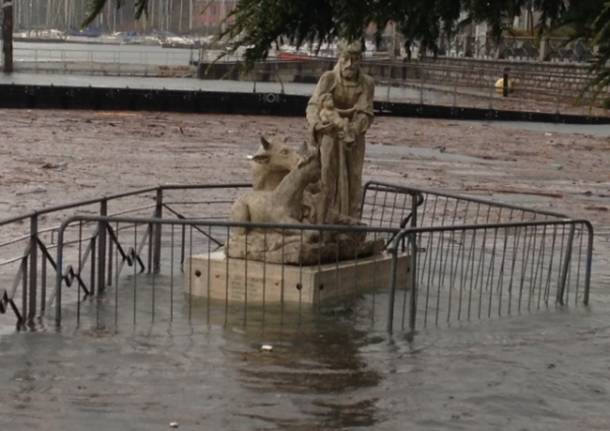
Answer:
(258, 24)
(96, 7)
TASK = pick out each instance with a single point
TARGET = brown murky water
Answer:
(331, 370)
(337, 370)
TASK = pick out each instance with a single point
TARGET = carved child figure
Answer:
(330, 115)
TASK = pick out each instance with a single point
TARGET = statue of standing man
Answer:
(339, 113)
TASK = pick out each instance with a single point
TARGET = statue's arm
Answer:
(346, 112)
(363, 118)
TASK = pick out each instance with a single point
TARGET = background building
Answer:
(212, 14)
(176, 16)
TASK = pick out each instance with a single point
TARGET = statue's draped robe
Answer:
(341, 180)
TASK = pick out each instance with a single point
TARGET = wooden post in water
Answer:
(7, 35)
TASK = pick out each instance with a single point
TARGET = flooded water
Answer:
(333, 370)
(547, 371)
(142, 360)
(592, 130)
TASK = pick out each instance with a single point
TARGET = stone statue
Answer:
(292, 201)
(320, 185)
(352, 94)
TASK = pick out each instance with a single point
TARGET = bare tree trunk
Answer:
(7, 35)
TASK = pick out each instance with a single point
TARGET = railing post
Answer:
(101, 247)
(413, 264)
(393, 250)
(93, 265)
(414, 205)
(33, 278)
(421, 85)
(566, 266)
(365, 190)
(59, 274)
(157, 231)
(589, 227)
(110, 263)
(24, 300)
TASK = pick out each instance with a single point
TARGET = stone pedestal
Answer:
(217, 277)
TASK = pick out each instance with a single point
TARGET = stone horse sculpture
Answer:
(292, 201)
(272, 162)
(283, 204)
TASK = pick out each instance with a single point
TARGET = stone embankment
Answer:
(535, 79)
(530, 80)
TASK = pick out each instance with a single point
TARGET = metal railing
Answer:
(388, 204)
(477, 272)
(447, 259)
(160, 294)
(114, 60)
(27, 259)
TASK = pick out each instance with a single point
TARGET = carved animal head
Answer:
(310, 166)
(275, 155)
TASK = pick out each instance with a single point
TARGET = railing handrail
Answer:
(568, 222)
(72, 205)
(461, 197)
(401, 232)
(228, 224)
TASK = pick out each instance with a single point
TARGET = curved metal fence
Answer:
(440, 260)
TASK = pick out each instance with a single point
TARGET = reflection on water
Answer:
(326, 370)
(321, 365)
(549, 369)
(194, 373)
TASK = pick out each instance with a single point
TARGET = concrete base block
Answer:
(237, 280)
